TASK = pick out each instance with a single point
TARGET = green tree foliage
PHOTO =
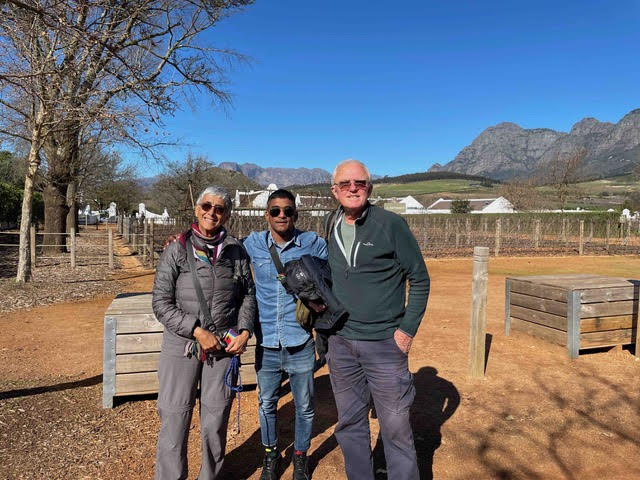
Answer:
(460, 205)
(171, 191)
(12, 169)
(424, 176)
(11, 205)
(628, 204)
(634, 201)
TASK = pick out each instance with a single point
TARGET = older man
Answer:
(372, 253)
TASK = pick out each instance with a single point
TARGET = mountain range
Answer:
(507, 151)
(282, 177)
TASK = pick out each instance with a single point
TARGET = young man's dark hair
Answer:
(281, 193)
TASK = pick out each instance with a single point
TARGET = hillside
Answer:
(507, 151)
(279, 176)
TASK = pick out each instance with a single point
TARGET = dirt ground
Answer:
(536, 415)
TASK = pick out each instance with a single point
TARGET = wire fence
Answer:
(437, 235)
(514, 235)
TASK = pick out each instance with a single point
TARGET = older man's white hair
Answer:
(348, 161)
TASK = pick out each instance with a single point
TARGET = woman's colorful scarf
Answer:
(206, 248)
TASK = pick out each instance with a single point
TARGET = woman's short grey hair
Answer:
(216, 191)
(347, 161)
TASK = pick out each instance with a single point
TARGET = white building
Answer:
(478, 205)
(157, 218)
(412, 205)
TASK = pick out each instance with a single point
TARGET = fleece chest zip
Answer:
(352, 255)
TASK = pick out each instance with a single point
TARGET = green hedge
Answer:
(11, 205)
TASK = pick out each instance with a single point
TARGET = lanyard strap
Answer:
(274, 255)
(208, 321)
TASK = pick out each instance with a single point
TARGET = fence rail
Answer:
(437, 236)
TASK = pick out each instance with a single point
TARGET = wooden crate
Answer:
(132, 343)
(578, 310)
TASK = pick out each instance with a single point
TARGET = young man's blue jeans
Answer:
(271, 366)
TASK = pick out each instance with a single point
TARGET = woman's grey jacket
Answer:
(227, 286)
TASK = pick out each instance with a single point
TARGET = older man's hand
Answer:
(170, 239)
(403, 341)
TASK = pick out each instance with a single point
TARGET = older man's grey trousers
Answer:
(359, 371)
(179, 377)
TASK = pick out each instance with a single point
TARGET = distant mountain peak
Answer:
(506, 150)
(282, 177)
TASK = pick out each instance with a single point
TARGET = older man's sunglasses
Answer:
(288, 211)
(217, 209)
(346, 184)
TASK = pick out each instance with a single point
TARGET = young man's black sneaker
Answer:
(270, 464)
(300, 466)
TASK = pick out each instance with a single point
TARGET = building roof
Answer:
(476, 204)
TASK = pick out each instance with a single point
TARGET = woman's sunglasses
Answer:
(288, 211)
(217, 209)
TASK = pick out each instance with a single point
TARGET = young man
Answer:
(283, 346)
(372, 253)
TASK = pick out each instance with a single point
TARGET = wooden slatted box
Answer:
(132, 342)
(580, 311)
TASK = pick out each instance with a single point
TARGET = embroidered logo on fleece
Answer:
(368, 244)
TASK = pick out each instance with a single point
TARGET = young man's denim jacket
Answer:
(277, 323)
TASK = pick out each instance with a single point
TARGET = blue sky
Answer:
(402, 85)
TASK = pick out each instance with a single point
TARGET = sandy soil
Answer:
(536, 415)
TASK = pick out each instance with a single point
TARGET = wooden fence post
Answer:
(110, 249)
(536, 235)
(478, 330)
(468, 230)
(627, 232)
(151, 250)
(424, 233)
(607, 234)
(134, 236)
(32, 245)
(497, 241)
(581, 242)
(73, 247)
(145, 245)
(591, 231)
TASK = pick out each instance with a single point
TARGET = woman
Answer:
(193, 349)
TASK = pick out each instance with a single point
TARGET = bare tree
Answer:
(68, 67)
(171, 191)
(564, 173)
(523, 194)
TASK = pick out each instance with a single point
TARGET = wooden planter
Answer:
(132, 342)
(578, 310)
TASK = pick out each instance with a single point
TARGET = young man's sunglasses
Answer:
(346, 184)
(288, 211)
(217, 209)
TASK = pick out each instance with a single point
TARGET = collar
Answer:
(362, 216)
(295, 240)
